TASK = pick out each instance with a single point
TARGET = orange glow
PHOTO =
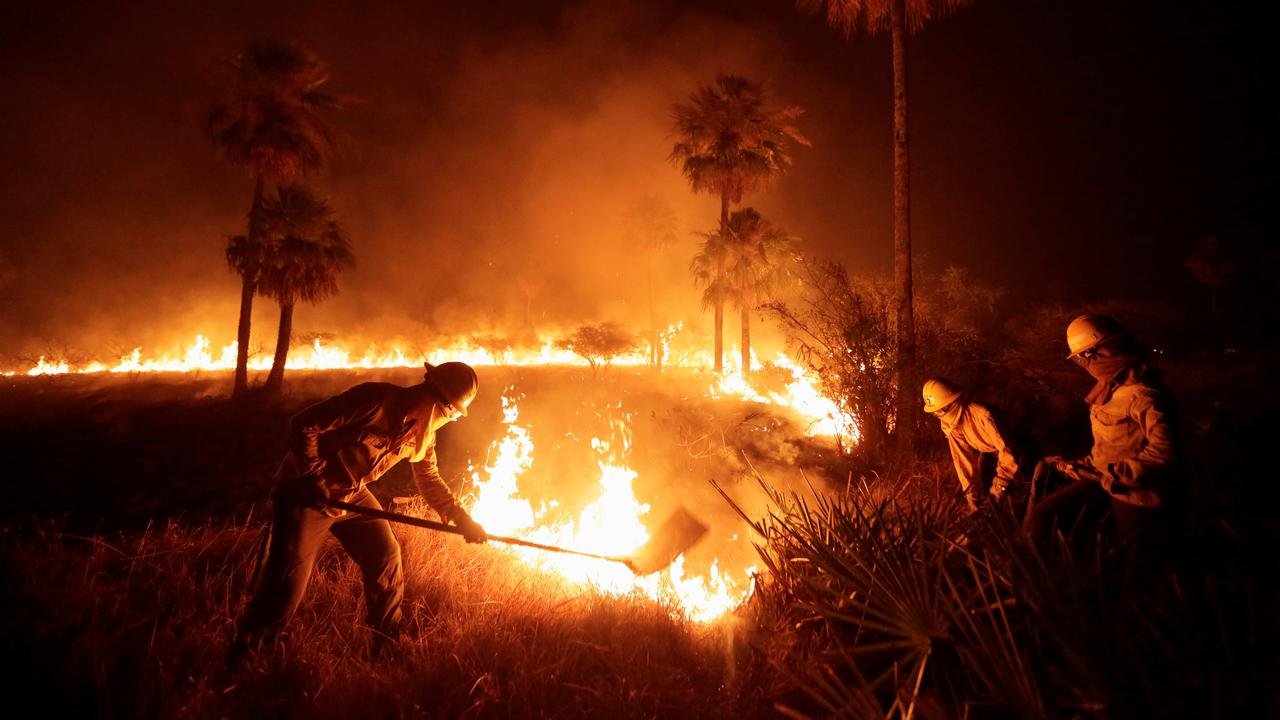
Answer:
(611, 524)
(821, 414)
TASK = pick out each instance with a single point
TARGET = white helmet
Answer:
(939, 394)
(1089, 331)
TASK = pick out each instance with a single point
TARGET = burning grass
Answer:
(869, 603)
(137, 625)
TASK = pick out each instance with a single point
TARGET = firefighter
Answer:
(1134, 466)
(336, 448)
(971, 432)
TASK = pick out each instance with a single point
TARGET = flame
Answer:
(823, 415)
(801, 395)
(614, 521)
(611, 525)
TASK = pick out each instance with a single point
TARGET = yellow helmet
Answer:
(938, 394)
(456, 381)
(1089, 331)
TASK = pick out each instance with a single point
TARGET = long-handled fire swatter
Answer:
(679, 533)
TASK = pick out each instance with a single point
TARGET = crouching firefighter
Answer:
(972, 431)
(336, 448)
(1134, 468)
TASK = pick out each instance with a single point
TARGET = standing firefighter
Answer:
(972, 432)
(337, 447)
(1134, 464)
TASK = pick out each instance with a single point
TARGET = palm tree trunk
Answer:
(247, 291)
(746, 339)
(905, 421)
(724, 226)
(275, 381)
(654, 339)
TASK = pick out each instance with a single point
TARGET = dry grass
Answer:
(138, 626)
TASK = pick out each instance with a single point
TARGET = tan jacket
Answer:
(970, 434)
(1134, 442)
(354, 438)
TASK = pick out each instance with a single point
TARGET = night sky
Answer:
(1067, 151)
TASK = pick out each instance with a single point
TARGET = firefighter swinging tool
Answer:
(679, 533)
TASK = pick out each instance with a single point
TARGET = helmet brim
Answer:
(1101, 341)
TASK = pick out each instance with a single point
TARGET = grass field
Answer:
(136, 508)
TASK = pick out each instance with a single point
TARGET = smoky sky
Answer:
(1064, 151)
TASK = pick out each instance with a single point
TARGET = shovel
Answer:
(680, 531)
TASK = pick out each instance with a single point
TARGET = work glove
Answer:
(471, 530)
(999, 488)
(1073, 469)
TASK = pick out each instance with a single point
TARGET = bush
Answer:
(892, 602)
(599, 344)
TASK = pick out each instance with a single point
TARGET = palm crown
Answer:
(270, 119)
(728, 142)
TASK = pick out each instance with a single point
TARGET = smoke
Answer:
(490, 192)
(507, 140)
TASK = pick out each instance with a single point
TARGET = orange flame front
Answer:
(610, 525)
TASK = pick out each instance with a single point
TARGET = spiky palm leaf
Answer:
(728, 142)
(307, 247)
(707, 268)
(760, 257)
(270, 120)
(872, 16)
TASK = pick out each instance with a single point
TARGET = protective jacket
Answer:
(972, 432)
(354, 438)
(1134, 442)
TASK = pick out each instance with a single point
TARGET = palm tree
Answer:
(900, 16)
(307, 250)
(728, 144)
(757, 257)
(708, 272)
(269, 122)
(652, 227)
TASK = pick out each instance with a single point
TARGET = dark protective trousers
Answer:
(1064, 506)
(297, 534)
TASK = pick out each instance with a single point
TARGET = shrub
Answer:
(599, 344)
(886, 601)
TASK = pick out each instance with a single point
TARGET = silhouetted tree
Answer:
(900, 16)
(1210, 267)
(599, 344)
(729, 144)
(307, 250)
(651, 226)
(269, 122)
(757, 258)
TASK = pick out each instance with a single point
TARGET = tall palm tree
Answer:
(901, 16)
(758, 258)
(269, 121)
(708, 269)
(307, 250)
(729, 144)
(652, 228)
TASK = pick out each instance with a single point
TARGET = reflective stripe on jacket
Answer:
(354, 438)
